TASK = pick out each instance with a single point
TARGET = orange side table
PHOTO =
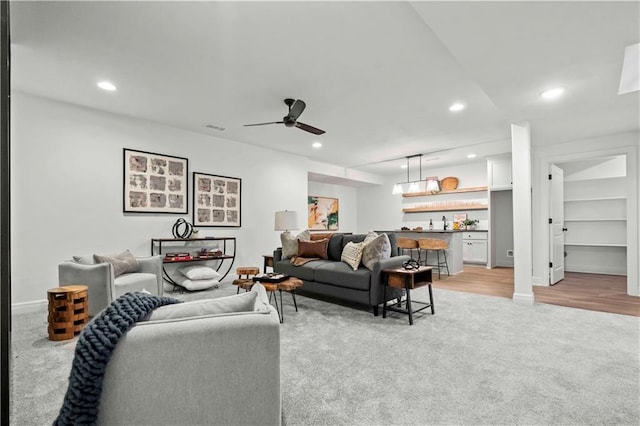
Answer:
(68, 311)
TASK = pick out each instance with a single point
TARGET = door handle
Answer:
(564, 229)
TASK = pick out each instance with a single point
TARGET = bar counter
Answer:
(453, 237)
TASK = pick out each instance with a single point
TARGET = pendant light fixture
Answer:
(410, 187)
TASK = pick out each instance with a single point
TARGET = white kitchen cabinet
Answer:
(474, 247)
(500, 174)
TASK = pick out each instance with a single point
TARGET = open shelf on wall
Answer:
(595, 244)
(450, 191)
(460, 207)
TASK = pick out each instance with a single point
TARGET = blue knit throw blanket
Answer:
(93, 350)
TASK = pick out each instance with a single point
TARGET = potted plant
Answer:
(470, 223)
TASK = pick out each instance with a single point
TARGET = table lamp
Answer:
(286, 220)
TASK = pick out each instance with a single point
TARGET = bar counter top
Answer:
(435, 231)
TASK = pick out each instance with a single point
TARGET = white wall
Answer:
(66, 186)
(347, 203)
(379, 209)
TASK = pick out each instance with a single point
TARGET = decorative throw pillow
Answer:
(199, 272)
(375, 248)
(122, 263)
(290, 243)
(86, 259)
(194, 285)
(352, 253)
(313, 248)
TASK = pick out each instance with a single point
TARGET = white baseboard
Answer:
(29, 307)
(597, 269)
(523, 299)
(540, 281)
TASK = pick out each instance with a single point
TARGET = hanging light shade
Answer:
(410, 187)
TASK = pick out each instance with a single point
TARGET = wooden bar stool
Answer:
(68, 311)
(247, 282)
(409, 244)
(433, 244)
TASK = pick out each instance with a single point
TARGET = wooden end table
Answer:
(290, 285)
(68, 311)
(407, 279)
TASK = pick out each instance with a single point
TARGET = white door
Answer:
(556, 224)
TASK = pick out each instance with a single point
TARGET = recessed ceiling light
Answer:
(552, 93)
(471, 156)
(456, 107)
(317, 145)
(105, 85)
(403, 166)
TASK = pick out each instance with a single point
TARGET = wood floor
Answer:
(604, 293)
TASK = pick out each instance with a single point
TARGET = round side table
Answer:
(68, 311)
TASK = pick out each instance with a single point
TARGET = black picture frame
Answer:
(154, 183)
(217, 201)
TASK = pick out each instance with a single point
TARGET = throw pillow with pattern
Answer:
(375, 249)
(290, 242)
(122, 263)
(352, 253)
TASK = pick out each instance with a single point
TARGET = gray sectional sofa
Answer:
(335, 279)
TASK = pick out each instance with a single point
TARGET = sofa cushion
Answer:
(305, 272)
(290, 242)
(355, 238)
(342, 275)
(122, 262)
(352, 254)
(393, 239)
(243, 302)
(334, 250)
(313, 248)
(376, 247)
(136, 281)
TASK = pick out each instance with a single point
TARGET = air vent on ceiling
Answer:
(213, 126)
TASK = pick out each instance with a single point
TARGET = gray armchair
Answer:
(103, 286)
(204, 362)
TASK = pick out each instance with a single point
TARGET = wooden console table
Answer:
(407, 279)
(193, 247)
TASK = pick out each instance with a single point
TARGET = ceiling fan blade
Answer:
(296, 109)
(309, 129)
(262, 124)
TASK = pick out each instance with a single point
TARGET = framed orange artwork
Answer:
(322, 213)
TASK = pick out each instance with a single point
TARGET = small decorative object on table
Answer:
(209, 253)
(182, 229)
(271, 277)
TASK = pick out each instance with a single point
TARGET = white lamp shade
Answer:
(286, 220)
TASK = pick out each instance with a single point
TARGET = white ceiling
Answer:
(377, 76)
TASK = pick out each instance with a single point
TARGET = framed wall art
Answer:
(322, 213)
(216, 200)
(154, 183)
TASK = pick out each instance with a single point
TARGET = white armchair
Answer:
(104, 287)
(204, 362)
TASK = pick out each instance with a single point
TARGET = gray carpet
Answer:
(479, 360)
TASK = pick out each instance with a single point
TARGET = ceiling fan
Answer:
(296, 106)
